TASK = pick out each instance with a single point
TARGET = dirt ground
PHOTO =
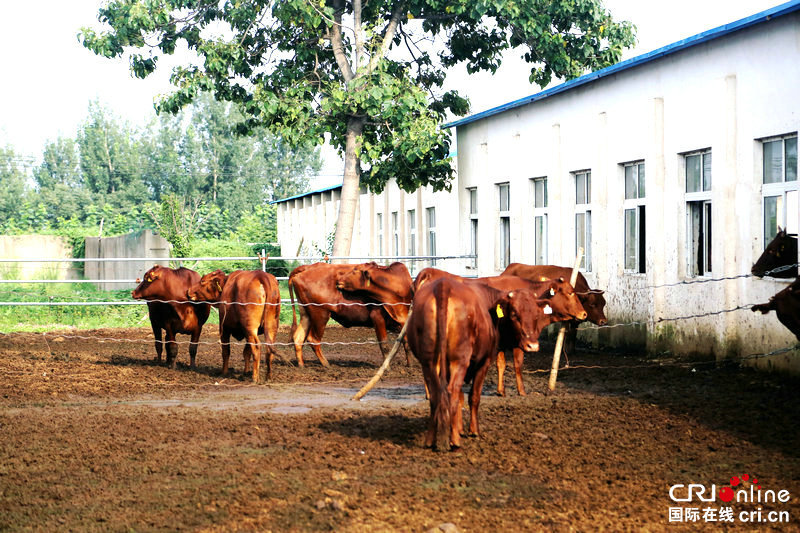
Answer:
(97, 437)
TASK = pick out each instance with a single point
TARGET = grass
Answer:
(47, 318)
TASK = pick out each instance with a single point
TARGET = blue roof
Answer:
(758, 18)
(326, 189)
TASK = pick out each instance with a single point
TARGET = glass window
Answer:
(583, 217)
(473, 225)
(540, 220)
(635, 244)
(430, 216)
(780, 189)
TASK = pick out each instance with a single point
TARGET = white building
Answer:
(672, 167)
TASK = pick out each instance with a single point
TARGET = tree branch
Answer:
(391, 28)
(337, 42)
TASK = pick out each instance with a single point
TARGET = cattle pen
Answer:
(99, 437)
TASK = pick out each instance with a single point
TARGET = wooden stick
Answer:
(371, 383)
(560, 340)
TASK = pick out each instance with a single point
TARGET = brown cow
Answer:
(162, 283)
(592, 300)
(455, 331)
(319, 299)
(565, 305)
(249, 303)
(779, 256)
(389, 285)
(786, 305)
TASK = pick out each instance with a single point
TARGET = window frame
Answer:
(786, 191)
(472, 193)
(583, 209)
(379, 225)
(430, 222)
(540, 214)
(634, 203)
(504, 224)
(699, 203)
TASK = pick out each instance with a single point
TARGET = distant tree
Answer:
(177, 222)
(368, 74)
(110, 158)
(14, 191)
(60, 165)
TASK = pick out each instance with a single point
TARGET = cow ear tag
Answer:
(552, 291)
(548, 310)
(499, 311)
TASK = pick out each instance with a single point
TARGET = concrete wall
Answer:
(140, 244)
(36, 247)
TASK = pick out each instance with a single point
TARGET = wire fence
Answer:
(52, 303)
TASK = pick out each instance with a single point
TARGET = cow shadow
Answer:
(404, 429)
(757, 406)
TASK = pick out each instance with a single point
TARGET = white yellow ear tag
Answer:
(548, 310)
(499, 311)
(552, 291)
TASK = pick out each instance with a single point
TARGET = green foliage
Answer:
(223, 248)
(177, 223)
(375, 89)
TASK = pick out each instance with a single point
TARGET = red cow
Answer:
(389, 285)
(249, 303)
(780, 253)
(565, 305)
(786, 305)
(315, 287)
(592, 300)
(455, 331)
(162, 283)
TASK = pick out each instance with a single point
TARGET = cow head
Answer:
(358, 278)
(209, 288)
(152, 285)
(564, 301)
(522, 310)
(781, 251)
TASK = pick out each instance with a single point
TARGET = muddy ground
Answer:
(96, 437)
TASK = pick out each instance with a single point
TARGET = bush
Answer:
(223, 248)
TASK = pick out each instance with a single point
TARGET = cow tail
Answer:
(442, 415)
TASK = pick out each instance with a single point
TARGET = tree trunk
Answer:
(350, 188)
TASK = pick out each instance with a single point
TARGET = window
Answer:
(430, 216)
(379, 224)
(505, 224)
(583, 217)
(473, 225)
(412, 232)
(698, 213)
(395, 235)
(635, 259)
(780, 190)
(540, 221)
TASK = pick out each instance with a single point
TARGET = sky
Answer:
(49, 78)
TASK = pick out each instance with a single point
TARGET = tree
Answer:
(109, 158)
(14, 192)
(369, 74)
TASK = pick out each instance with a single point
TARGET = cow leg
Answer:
(433, 396)
(159, 343)
(253, 347)
(299, 335)
(570, 338)
(501, 370)
(246, 355)
(379, 322)
(408, 353)
(457, 372)
(519, 356)
(475, 399)
(193, 348)
(318, 323)
(172, 349)
(225, 341)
